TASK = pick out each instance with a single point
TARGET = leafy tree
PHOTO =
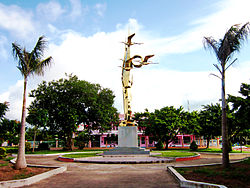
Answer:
(70, 102)
(82, 139)
(9, 130)
(163, 125)
(3, 110)
(191, 121)
(38, 118)
(240, 123)
(210, 120)
(224, 50)
(29, 63)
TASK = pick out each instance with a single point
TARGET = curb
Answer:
(33, 179)
(191, 184)
(195, 184)
(188, 158)
(66, 159)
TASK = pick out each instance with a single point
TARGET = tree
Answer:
(29, 63)
(38, 118)
(163, 125)
(9, 130)
(224, 50)
(191, 121)
(70, 102)
(210, 120)
(3, 110)
(240, 125)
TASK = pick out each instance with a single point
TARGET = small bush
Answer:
(27, 146)
(2, 152)
(43, 146)
(12, 150)
(159, 145)
(193, 146)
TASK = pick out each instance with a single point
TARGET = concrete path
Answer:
(115, 175)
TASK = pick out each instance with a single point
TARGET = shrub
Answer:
(27, 146)
(82, 139)
(43, 146)
(12, 150)
(193, 146)
(159, 145)
(2, 152)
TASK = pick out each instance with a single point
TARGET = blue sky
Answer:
(84, 39)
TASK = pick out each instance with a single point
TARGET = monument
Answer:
(127, 130)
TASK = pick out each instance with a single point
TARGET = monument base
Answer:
(126, 151)
(127, 143)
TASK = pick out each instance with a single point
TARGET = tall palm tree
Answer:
(224, 50)
(29, 63)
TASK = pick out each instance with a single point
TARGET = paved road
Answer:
(114, 175)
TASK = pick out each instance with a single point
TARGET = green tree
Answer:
(224, 50)
(37, 118)
(3, 110)
(163, 125)
(70, 102)
(29, 63)
(210, 121)
(191, 121)
(240, 124)
(9, 130)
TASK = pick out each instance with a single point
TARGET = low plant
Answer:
(43, 146)
(159, 145)
(2, 152)
(12, 150)
(193, 146)
(27, 146)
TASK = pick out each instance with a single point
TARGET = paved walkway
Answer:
(115, 175)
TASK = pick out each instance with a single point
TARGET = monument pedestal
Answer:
(127, 143)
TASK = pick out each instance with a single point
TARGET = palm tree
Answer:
(29, 63)
(224, 50)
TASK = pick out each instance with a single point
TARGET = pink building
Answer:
(110, 138)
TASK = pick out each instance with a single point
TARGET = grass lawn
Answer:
(63, 151)
(80, 155)
(236, 176)
(218, 150)
(174, 153)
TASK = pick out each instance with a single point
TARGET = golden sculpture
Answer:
(129, 63)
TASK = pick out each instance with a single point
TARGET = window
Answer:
(186, 139)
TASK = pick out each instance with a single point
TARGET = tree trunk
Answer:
(225, 150)
(21, 161)
(166, 147)
(208, 141)
(34, 141)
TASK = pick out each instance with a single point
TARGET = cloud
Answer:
(100, 9)
(96, 59)
(51, 10)
(3, 52)
(16, 20)
(77, 9)
(227, 13)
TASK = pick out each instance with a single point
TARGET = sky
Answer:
(84, 38)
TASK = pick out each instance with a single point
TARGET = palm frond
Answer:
(38, 50)
(231, 64)
(232, 41)
(217, 67)
(40, 65)
(212, 74)
(17, 52)
(211, 43)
